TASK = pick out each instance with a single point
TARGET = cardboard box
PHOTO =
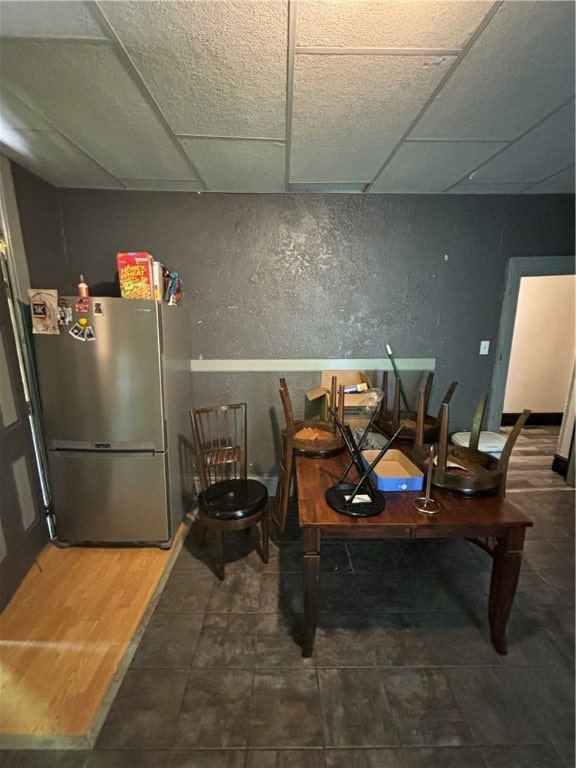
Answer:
(322, 393)
(135, 275)
(394, 471)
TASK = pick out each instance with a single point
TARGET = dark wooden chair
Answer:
(228, 500)
(392, 417)
(465, 469)
(293, 444)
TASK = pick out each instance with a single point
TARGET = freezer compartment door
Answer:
(109, 497)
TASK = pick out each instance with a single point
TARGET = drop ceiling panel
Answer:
(328, 188)
(229, 165)
(84, 89)
(562, 182)
(30, 141)
(387, 25)
(545, 150)
(15, 114)
(214, 68)
(64, 19)
(465, 188)
(349, 112)
(53, 158)
(163, 185)
(534, 41)
(432, 167)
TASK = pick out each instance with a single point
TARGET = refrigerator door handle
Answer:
(123, 447)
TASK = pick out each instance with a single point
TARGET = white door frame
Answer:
(518, 267)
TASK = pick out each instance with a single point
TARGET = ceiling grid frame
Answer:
(459, 58)
(140, 83)
(369, 133)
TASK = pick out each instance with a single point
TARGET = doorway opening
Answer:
(550, 344)
(542, 351)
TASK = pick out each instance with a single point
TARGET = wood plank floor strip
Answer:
(65, 635)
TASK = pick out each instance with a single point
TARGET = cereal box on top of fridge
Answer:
(135, 275)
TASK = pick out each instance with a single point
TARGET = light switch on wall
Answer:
(484, 347)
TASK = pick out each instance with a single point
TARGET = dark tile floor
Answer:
(403, 673)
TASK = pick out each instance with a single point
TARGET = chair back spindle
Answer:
(220, 437)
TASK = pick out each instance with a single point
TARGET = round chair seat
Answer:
(233, 499)
(317, 447)
(489, 442)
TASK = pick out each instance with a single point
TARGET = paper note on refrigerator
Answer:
(44, 310)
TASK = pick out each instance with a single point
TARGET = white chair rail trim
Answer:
(331, 364)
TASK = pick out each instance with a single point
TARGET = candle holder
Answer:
(427, 505)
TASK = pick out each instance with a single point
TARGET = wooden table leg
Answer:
(505, 574)
(311, 568)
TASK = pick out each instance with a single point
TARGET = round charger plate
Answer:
(336, 498)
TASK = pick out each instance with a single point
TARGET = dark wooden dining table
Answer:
(492, 522)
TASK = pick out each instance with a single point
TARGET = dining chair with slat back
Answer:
(228, 500)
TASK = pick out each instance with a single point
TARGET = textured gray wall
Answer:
(41, 224)
(313, 276)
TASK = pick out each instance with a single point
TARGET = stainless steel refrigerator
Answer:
(114, 387)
